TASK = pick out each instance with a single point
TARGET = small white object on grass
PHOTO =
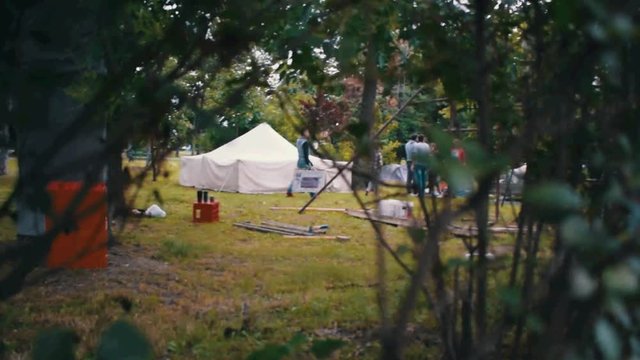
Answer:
(155, 211)
(489, 256)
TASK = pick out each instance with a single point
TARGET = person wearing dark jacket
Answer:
(302, 144)
(378, 162)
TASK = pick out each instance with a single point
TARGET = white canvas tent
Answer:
(394, 173)
(513, 181)
(260, 161)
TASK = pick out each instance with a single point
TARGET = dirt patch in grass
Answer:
(168, 301)
(126, 264)
(87, 300)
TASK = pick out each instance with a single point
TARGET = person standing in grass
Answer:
(457, 152)
(408, 149)
(302, 144)
(378, 162)
(421, 152)
(433, 178)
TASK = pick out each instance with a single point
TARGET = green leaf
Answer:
(535, 324)
(458, 261)
(324, 348)
(459, 178)
(622, 25)
(124, 341)
(403, 249)
(621, 280)
(553, 201)
(582, 284)
(635, 345)
(563, 12)
(511, 297)
(607, 339)
(619, 311)
(417, 234)
(56, 343)
(575, 231)
(297, 341)
(270, 352)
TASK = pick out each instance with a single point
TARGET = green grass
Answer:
(178, 249)
(188, 282)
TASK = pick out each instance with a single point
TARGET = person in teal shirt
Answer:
(302, 144)
(408, 149)
(421, 152)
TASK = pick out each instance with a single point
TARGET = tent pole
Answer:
(375, 136)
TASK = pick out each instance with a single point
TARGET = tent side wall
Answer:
(343, 182)
(251, 176)
(264, 177)
(204, 173)
(221, 176)
(190, 173)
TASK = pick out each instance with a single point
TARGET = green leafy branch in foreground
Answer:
(299, 343)
(123, 340)
(120, 341)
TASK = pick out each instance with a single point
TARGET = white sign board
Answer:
(308, 180)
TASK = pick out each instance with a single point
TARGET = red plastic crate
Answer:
(82, 244)
(206, 212)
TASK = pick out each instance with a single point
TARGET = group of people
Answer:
(420, 175)
(418, 152)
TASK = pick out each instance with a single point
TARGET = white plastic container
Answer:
(395, 209)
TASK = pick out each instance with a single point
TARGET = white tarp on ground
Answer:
(260, 161)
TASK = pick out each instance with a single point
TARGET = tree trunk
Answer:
(484, 136)
(363, 162)
(55, 139)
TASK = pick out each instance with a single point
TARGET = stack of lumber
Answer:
(371, 215)
(472, 231)
(456, 230)
(321, 209)
(290, 231)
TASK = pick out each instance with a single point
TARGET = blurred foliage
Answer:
(119, 341)
(296, 347)
(552, 84)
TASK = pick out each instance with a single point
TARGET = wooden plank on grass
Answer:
(263, 229)
(273, 229)
(291, 231)
(318, 229)
(472, 231)
(309, 209)
(328, 237)
(383, 219)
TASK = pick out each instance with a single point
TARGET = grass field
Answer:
(203, 291)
